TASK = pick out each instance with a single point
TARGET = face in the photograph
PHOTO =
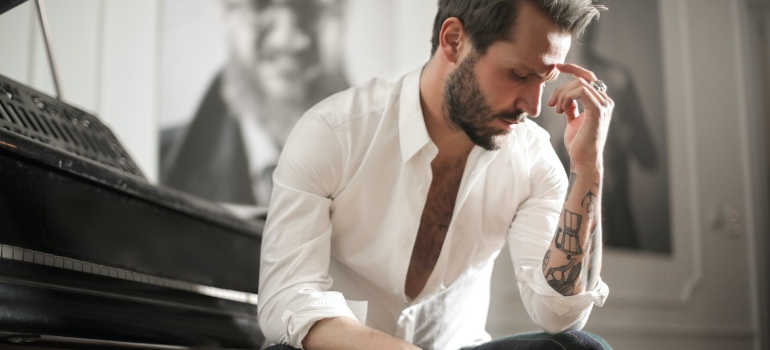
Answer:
(279, 43)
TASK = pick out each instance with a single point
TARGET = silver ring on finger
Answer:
(598, 85)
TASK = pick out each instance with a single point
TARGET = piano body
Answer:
(94, 256)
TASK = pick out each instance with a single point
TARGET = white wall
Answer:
(704, 295)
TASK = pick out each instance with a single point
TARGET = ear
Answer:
(452, 39)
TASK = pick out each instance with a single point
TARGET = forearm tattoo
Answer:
(562, 279)
(589, 204)
(568, 240)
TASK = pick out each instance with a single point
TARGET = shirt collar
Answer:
(412, 130)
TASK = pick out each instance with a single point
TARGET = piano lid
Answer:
(6, 5)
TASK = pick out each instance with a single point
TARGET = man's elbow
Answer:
(271, 324)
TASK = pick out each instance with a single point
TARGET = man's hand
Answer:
(346, 333)
(586, 132)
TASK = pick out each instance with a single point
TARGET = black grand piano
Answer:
(94, 256)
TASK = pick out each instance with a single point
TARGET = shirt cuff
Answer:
(559, 303)
(319, 305)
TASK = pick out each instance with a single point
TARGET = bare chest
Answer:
(434, 224)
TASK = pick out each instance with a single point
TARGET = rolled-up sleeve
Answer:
(529, 237)
(294, 281)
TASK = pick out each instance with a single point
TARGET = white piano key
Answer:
(7, 252)
(29, 256)
(18, 253)
(38, 258)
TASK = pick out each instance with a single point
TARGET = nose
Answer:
(285, 33)
(529, 98)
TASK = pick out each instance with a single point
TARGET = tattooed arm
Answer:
(572, 263)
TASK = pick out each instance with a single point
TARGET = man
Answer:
(284, 59)
(392, 200)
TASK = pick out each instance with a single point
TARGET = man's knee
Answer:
(280, 347)
(580, 340)
(571, 340)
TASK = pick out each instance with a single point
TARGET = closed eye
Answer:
(518, 76)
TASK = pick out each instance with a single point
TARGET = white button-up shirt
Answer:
(348, 195)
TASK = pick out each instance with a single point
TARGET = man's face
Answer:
(487, 95)
(468, 108)
(276, 43)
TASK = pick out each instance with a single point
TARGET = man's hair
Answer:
(487, 21)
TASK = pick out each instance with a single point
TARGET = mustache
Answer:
(517, 116)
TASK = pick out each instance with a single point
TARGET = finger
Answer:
(581, 73)
(552, 101)
(587, 95)
(562, 101)
(558, 93)
(577, 122)
(572, 111)
(598, 99)
(577, 71)
(555, 94)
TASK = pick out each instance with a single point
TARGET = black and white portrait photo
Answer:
(281, 58)
(236, 75)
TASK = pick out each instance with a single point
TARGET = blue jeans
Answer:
(572, 340)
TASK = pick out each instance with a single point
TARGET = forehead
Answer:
(537, 44)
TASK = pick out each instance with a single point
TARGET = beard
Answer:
(467, 108)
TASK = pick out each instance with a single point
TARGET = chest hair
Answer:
(434, 223)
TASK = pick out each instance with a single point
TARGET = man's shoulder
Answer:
(372, 99)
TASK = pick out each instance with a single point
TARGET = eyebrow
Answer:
(546, 78)
(553, 76)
